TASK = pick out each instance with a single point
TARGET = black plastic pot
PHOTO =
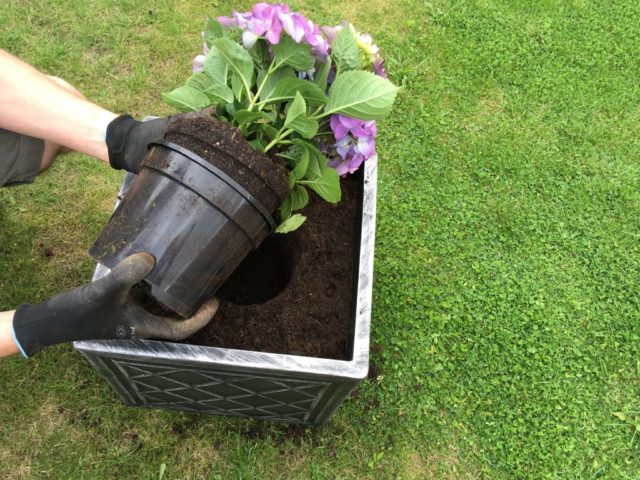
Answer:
(196, 221)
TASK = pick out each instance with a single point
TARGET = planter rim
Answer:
(218, 173)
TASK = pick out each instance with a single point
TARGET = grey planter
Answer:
(258, 385)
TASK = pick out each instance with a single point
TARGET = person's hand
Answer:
(128, 140)
(102, 310)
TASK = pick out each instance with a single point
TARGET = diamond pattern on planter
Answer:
(240, 394)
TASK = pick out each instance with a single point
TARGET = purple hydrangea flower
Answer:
(269, 20)
(355, 143)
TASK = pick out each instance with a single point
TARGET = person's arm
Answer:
(7, 342)
(34, 105)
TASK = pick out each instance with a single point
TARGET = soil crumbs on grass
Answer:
(308, 274)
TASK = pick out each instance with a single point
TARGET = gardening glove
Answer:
(102, 310)
(128, 140)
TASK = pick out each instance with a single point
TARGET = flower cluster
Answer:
(309, 95)
(355, 143)
(369, 52)
(269, 20)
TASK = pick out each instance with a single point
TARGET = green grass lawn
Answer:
(506, 308)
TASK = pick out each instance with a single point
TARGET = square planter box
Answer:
(258, 385)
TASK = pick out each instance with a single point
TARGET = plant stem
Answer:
(262, 85)
(279, 137)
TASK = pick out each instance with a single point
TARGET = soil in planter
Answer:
(222, 145)
(293, 294)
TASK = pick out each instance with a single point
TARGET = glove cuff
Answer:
(29, 322)
(116, 139)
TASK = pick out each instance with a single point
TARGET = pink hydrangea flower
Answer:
(269, 20)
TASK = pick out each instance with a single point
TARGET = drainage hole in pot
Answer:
(261, 276)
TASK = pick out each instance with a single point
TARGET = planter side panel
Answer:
(239, 392)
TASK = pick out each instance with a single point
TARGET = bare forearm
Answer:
(7, 344)
(34, 105)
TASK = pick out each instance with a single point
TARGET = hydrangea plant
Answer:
(310, 95)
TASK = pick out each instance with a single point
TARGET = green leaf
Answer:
(237, 87)
(269, 131)
(200, 81)
(285, 208)
(286, 88)
(219, 93)
(212, 31)
(258, 144)
(296, 55)
(362, 95)
(216, 66)
(244, 117)
(299, 197)
(344, 51)
(260, 54)
(273, 79)
(240, 63)
(317, 160)
(187, 99)
(292, 223)
(322, 74)
(327, 185)
(297, 118)
(300, 169)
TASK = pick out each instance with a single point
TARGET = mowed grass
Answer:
(506, 316)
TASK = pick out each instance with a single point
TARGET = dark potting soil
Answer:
(293, 294)
(222, 145)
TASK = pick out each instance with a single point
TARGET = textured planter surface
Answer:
(259, 385)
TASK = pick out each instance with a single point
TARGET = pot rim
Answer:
(220, 174)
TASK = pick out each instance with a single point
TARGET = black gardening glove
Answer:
(102, 310)
(128, 140)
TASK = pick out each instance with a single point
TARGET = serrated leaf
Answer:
(212, 31)
(344, 51)
(322, 74)
(216, 66)
(258, 144)
(299, 197)
(296, 55)
(292, 223)
(269, 131)
(327, 185)
(239, 62)
(285, 208)
(273, 79)
(297, 118)
(362, 95)
(243, 117)
(260, 54)
(219, 93)
(200, 81)
(237, 87)
(286, 88)
(301, 166)
(187, 99)
(317, 161)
